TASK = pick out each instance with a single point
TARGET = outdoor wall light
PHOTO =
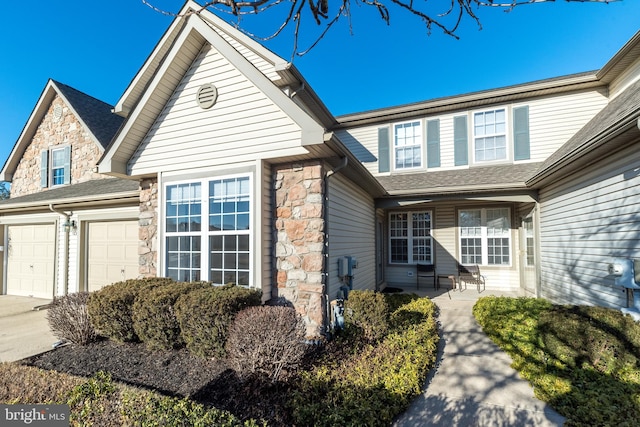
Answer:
(70, 225)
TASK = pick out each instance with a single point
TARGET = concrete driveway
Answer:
(24, 331)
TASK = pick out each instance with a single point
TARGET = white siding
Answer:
(258, 61)
(351, 232)
(552, 121)
(627, 78)
(62, 251)
(243, 125)
(265, 237)
(586, 220)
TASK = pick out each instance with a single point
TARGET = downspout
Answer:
(65, 249)
(325, 249)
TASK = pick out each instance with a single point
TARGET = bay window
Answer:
(485, 236)
(410, 238)
(207, 230)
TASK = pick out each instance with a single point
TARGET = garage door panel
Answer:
(30, 260)
(112, 252)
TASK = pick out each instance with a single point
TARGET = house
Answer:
(242, 175)
(66, 227)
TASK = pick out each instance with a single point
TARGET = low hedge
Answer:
(374, 386)
(204, 316)
(110, 308)
(154, 316)
(102, 402)
(584, 361)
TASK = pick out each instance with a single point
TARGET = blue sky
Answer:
(98, 46)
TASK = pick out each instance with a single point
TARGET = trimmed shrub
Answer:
(584, 361)
(266, 341)
(25, 384)
(366, 315)
(148, 409)
(68, 319)
(374, 386)
(204, 316)
(91, 402)
(154, 318)
(100, 401)
(595, 337)
(110, 308)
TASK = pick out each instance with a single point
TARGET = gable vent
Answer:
(57, 112)
(207, 96)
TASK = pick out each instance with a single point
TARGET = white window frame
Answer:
(418, 141)
(205, 268)
(411, 236)
(47, 168)
(490, 135)
(53, 168)
(485, 233)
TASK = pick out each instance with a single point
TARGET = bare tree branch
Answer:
(328, 12)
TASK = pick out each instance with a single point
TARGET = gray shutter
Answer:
(460, 141)
(67, 165)
(384, 158)
(433, 143)
(44, 168)
(521, 144)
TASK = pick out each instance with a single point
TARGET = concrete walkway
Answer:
(24, 331)
(473, 383)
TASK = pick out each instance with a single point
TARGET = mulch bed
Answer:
(174, 373)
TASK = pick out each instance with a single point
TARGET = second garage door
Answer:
(112, 252)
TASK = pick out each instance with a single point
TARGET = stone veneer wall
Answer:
(299, 243)
(67, 130)
(148, 228)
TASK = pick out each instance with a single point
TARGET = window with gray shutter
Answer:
(433, 143)
(460, 141)
(55, 167)
(521, 143)
(384, 162)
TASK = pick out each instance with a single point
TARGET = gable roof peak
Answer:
(95, 115)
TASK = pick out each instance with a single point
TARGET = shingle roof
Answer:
(97, 115)
(459, 180)
(91, 190)
(622, 110)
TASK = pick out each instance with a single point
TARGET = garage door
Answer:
(112, 253)
(31, 260)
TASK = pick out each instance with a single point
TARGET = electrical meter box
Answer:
(346, 265)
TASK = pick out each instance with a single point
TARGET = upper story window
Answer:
(410, 239)
(408, 145)
(490, 135)
(207, 230)
(500, 134)
(55, 167)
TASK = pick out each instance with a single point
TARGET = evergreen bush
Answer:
(110, 308)
(154, 315)
(366, 315)
(204, 316)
